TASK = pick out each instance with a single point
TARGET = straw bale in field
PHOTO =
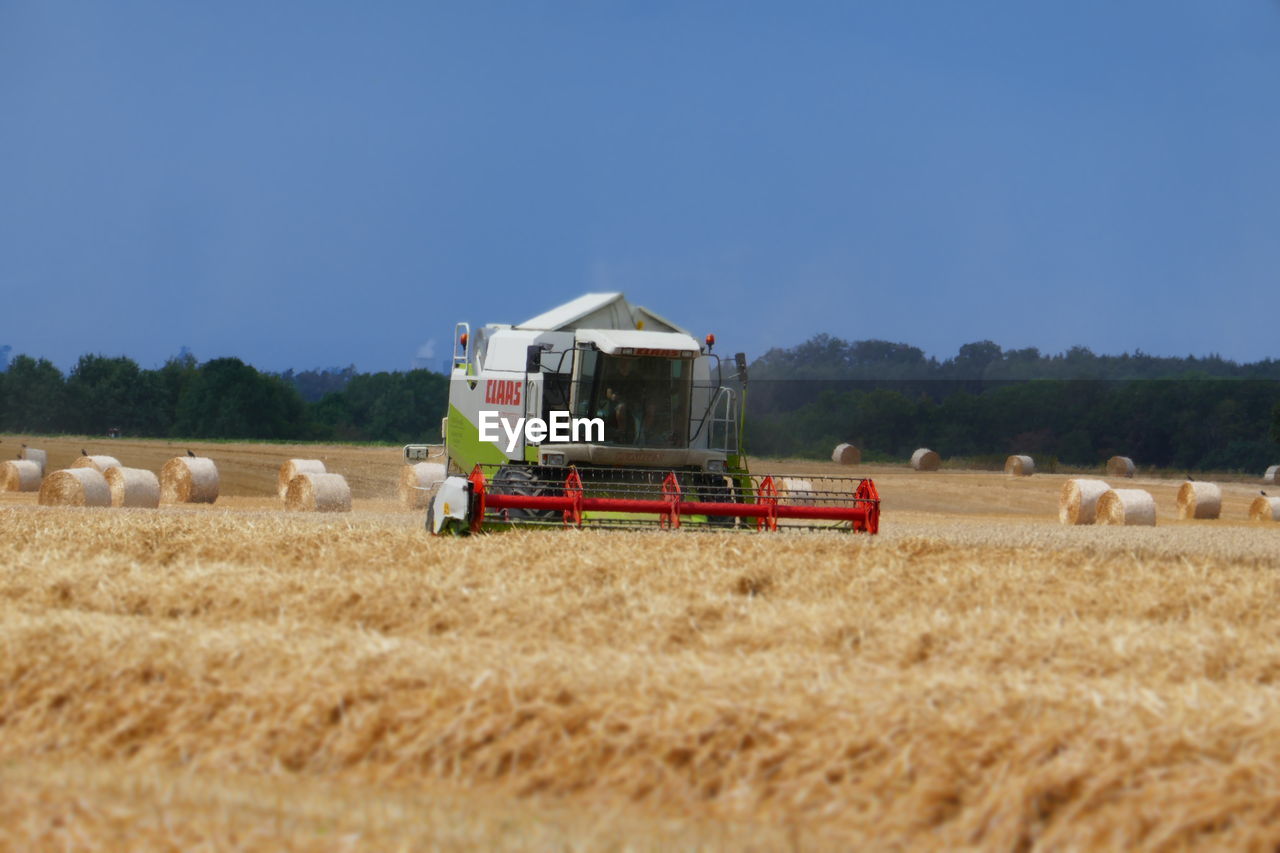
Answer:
(20, 475)
(795, 487)
(846, 454)
(1019, 466)
(1127, 507)
(40, 457)
(417, 481)
(1264, 508)
(292, 468)
(133, 487)
(318, 493)
(925, 459)
(1120, 466)
(97, 463)
(189, 480)
(1078, 503)
(1199, 500)
(1272, 476)
(82, 486)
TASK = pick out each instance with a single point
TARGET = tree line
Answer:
(221, 398)
(1196, 413)
(1191, 424)
(824, 357)
(887, 398)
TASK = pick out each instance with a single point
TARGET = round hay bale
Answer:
(417, 482)
(1120, 466)
(1199, 500)
(97, 463)
(20, 475)
(1264, 508)
(846, 454)
(292, 468)
(1019, 466)
(1078, 503)
(82, 486)
(1127, 507)
(925, 459)
(189, 480)
(794, 487)
(134, 487)
(40, 457)
(1272, 476)
(318, 493)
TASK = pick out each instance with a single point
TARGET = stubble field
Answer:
(237, 676)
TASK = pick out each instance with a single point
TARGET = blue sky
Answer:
(314, 184)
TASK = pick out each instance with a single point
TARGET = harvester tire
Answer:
(522, 480)
(715, 488)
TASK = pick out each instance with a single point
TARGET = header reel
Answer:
(502, 496)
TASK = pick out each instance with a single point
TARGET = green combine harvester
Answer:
(603, 413)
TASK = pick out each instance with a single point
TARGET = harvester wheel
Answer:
(523, 480)
(715, 488)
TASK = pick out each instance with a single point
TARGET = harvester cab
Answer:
(602, 412)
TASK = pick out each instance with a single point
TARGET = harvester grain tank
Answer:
(600, 412)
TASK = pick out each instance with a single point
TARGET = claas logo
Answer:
(502, 392)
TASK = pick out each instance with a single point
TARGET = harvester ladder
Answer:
(724, 422)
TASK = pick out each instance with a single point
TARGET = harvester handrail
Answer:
(728, 421)
(461, 344)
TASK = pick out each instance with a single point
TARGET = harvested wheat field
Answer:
(233, 675)
(248, 473)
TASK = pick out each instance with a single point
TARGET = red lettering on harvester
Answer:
(502, 392)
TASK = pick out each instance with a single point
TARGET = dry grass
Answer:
(238, 676)
(118, 806)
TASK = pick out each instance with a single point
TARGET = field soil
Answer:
(236, 675)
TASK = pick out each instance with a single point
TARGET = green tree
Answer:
(227, 398)
(103, 393)
(973, 359)
(165, 388)
(386, 407)
(35, 396)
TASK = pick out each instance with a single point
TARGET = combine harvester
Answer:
(601, 413)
